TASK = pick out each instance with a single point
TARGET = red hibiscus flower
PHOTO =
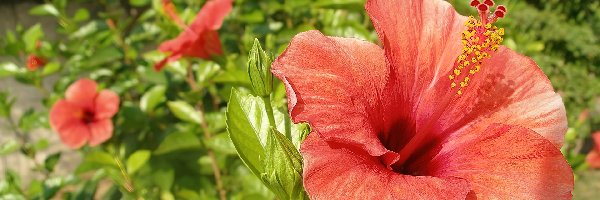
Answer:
(84, 115)
(35, 62)
(593, 158)
(441, 112)
(201, 38)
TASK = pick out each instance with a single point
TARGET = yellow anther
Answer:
(457, 72)
(479, 41)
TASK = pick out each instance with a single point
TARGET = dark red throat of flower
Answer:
(480, 40)
(87, 117)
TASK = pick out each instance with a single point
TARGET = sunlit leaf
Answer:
(44, 9)
(184, 111)
(178, 141)
(152, 98)
(137, 160)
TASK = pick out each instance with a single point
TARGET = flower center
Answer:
(479, 41)
(87, 116)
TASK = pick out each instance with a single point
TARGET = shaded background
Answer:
(563, 37)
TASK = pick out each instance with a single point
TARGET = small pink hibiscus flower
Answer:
(200, 39)
(84, 115)
(443, 111)
(593, 157)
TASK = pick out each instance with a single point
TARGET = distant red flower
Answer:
(593, 158)
(84, 115)
(201, 38)
(35, 62)
(441, 112)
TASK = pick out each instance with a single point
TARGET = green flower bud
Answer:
(259, 70)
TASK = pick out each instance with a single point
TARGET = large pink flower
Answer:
(84, 115)
(200, 39)
(441, 112)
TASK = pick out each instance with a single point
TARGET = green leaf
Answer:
(81, 15)
(41, 144)
(10, 69)
(31, 37)
(177, 141)
(6, 103)
(97, 160)
(44, 9)
(51, 68)
(356, 5)
(152, 98)
(32, 120)
(87, 191)
(51, 161)
(247, 124)
(283, 167)
(139, 2)
(9, 147)
(137, 160)
(103, 56)
(221, 143)
(85, 30)
(184, 111)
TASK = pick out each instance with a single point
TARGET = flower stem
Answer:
(269, 108)
(208, 135)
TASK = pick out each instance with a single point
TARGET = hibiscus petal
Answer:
(338, 171)
(211, 15)
(506, 162)
(421, 41)
(334, 84)
(82, 92)
(100, 131)
(593, 157)
(107, 104)
(64, 113)
(200, 39)
(511, 89)
(205, 46)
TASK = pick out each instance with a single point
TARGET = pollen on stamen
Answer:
(479, 41)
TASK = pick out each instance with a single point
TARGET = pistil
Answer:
(479, 42)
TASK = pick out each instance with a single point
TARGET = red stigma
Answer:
(502, 8)
(489, 2)
(482, 7)
(499, 14)
(474, 3)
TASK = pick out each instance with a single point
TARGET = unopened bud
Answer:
(259, 70)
